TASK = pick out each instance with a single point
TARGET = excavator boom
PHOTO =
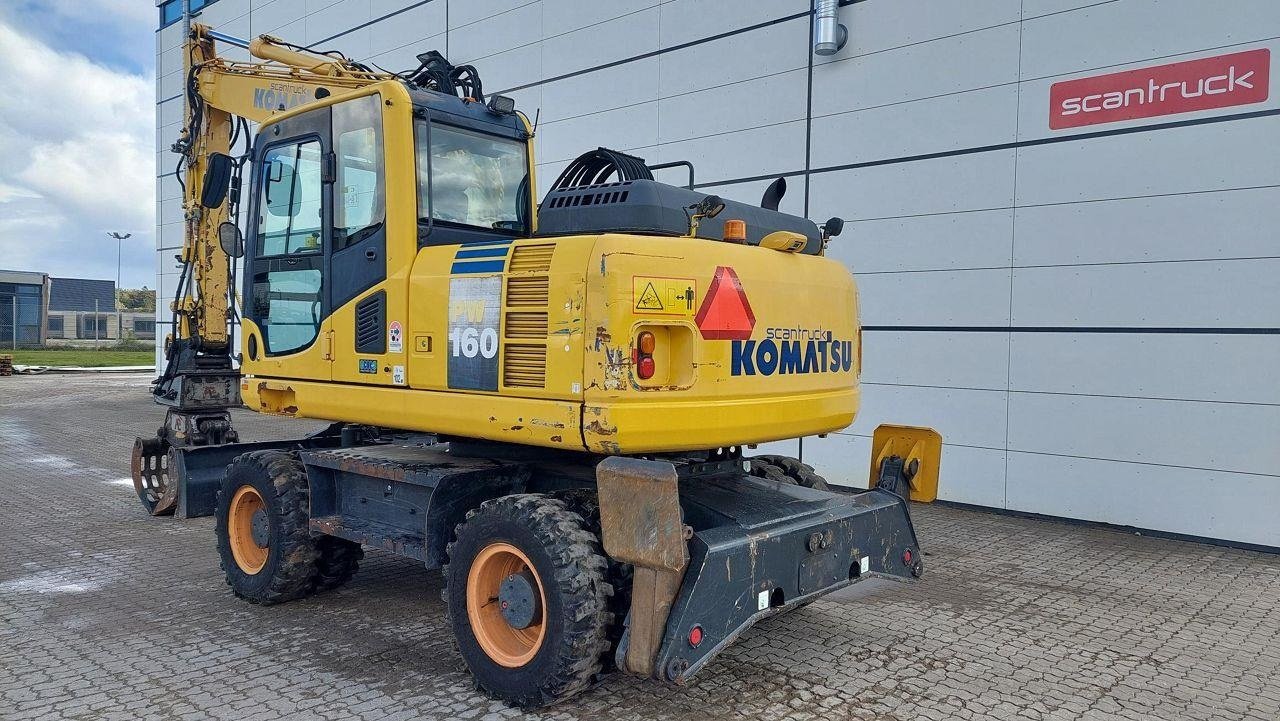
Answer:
(199, 382)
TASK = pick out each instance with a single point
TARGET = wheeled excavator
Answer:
(549, 401)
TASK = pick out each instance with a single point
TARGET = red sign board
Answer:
(725, 313)
(1217, 82)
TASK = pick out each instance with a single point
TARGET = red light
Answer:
(645, 368)
(906, 557)
(695, 636)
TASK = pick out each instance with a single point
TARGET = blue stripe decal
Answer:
(481, 266)
(482, 253)
(479, 243)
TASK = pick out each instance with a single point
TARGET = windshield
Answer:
(472, 178)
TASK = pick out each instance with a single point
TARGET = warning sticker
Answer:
(395, 337)
(664, 296)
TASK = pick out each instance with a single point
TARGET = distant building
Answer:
(24, 301)
(64, 309)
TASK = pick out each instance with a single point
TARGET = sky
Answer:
(77, 137)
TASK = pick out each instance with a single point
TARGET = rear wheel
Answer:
(268, 555)
(528, 599)
(785, 469)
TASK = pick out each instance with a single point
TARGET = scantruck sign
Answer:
(1204, 84)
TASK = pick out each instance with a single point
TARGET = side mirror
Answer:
(832, 227)
(217, 178)
(230, 239)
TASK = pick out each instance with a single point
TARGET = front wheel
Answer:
(528, 599)
(267, 552)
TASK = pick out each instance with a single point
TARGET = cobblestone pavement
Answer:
(106, 613)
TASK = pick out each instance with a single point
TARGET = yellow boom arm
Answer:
(218, 91)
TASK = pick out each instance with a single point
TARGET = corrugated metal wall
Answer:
(1090, 316)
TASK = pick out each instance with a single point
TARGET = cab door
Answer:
(287, 266)
(368, 325)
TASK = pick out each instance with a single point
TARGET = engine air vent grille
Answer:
(526, 325)
(528, 291)
(532, 258)
(524, 365)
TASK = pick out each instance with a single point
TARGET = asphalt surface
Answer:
(107, 613)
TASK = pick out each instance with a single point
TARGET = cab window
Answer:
(289, 221)
(359, 195)
(474, 179)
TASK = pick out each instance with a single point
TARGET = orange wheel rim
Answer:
(506, 645)
(249, 556)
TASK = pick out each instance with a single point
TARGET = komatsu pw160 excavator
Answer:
(549, 402)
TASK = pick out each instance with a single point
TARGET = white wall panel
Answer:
(266, 17)
(973, 60)
(1136, 30)
(934, 298)
(949, 241)
(969, 119)
(406, 28)
(773, 99)
(685, 21)
(562, 16)
(619, 129)
(944, 185)
(1218, 224)
(500, 33)
(466, 13)
(736, 155)
(623, 85)
(955, 359)
(880, 26)
(1198, 294)
(1201, 503)
(1180, 160)
(1217, 436)
(341, 17)
(963, 417)
(607, 42)
(769, 50)
(1191, 367)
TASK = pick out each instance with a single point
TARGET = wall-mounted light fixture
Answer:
(829, 35)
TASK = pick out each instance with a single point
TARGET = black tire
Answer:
(784, 469)
(289, 572)
(586, 503)
(337, 561)
(571, 567)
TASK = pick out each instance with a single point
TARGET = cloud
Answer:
(76, 160)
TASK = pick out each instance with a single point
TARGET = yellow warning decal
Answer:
(664, 296)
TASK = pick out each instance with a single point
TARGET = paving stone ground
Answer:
(106, 613)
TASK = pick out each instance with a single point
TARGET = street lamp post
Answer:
(119, 317)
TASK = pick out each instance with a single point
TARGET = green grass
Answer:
(81, 357)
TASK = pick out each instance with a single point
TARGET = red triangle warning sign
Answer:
(725, 313)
